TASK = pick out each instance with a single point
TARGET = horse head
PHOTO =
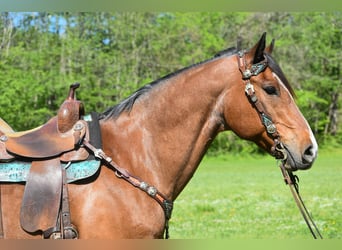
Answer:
(262, 96)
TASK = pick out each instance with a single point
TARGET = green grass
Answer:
(246, 198)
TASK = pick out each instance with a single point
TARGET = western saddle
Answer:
(45, 205)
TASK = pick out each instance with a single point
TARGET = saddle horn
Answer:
(72, 91)
(70, 111)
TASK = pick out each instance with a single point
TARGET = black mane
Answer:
(127, 104)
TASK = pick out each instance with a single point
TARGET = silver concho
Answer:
(152, 191)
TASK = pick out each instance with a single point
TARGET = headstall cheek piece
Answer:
(278, 150)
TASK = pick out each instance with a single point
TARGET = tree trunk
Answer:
(331, 127)
(7, 32)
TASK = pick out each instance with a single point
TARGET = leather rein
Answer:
(278, 149)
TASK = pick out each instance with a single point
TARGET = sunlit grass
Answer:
(246, 198)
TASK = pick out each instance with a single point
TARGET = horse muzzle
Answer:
(294, 161)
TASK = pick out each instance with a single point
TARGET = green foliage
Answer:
(229, 142)
(113, 54)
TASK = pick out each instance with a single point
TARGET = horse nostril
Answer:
(309, 154)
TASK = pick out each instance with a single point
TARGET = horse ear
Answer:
(270, 47)
(257, 52)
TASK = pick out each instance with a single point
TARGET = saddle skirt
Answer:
(46, 159)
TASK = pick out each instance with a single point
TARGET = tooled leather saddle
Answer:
(44, 158)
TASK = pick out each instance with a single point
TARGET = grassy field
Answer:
(246, 198)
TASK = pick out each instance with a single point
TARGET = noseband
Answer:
(278, 149)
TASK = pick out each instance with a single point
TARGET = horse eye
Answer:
(271, 90)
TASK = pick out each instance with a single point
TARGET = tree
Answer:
(113, 54)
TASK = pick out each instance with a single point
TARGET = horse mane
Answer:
(127, 104)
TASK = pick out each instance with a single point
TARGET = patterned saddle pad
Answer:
(17, 171)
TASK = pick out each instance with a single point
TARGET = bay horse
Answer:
(161, 132)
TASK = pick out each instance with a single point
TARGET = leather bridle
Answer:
(278, 150)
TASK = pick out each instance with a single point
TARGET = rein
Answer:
(278, 149)
(166, 204)
(292, 180)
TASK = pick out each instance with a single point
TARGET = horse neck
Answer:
(164, 137)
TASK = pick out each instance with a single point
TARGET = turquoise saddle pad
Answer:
(18, 171)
